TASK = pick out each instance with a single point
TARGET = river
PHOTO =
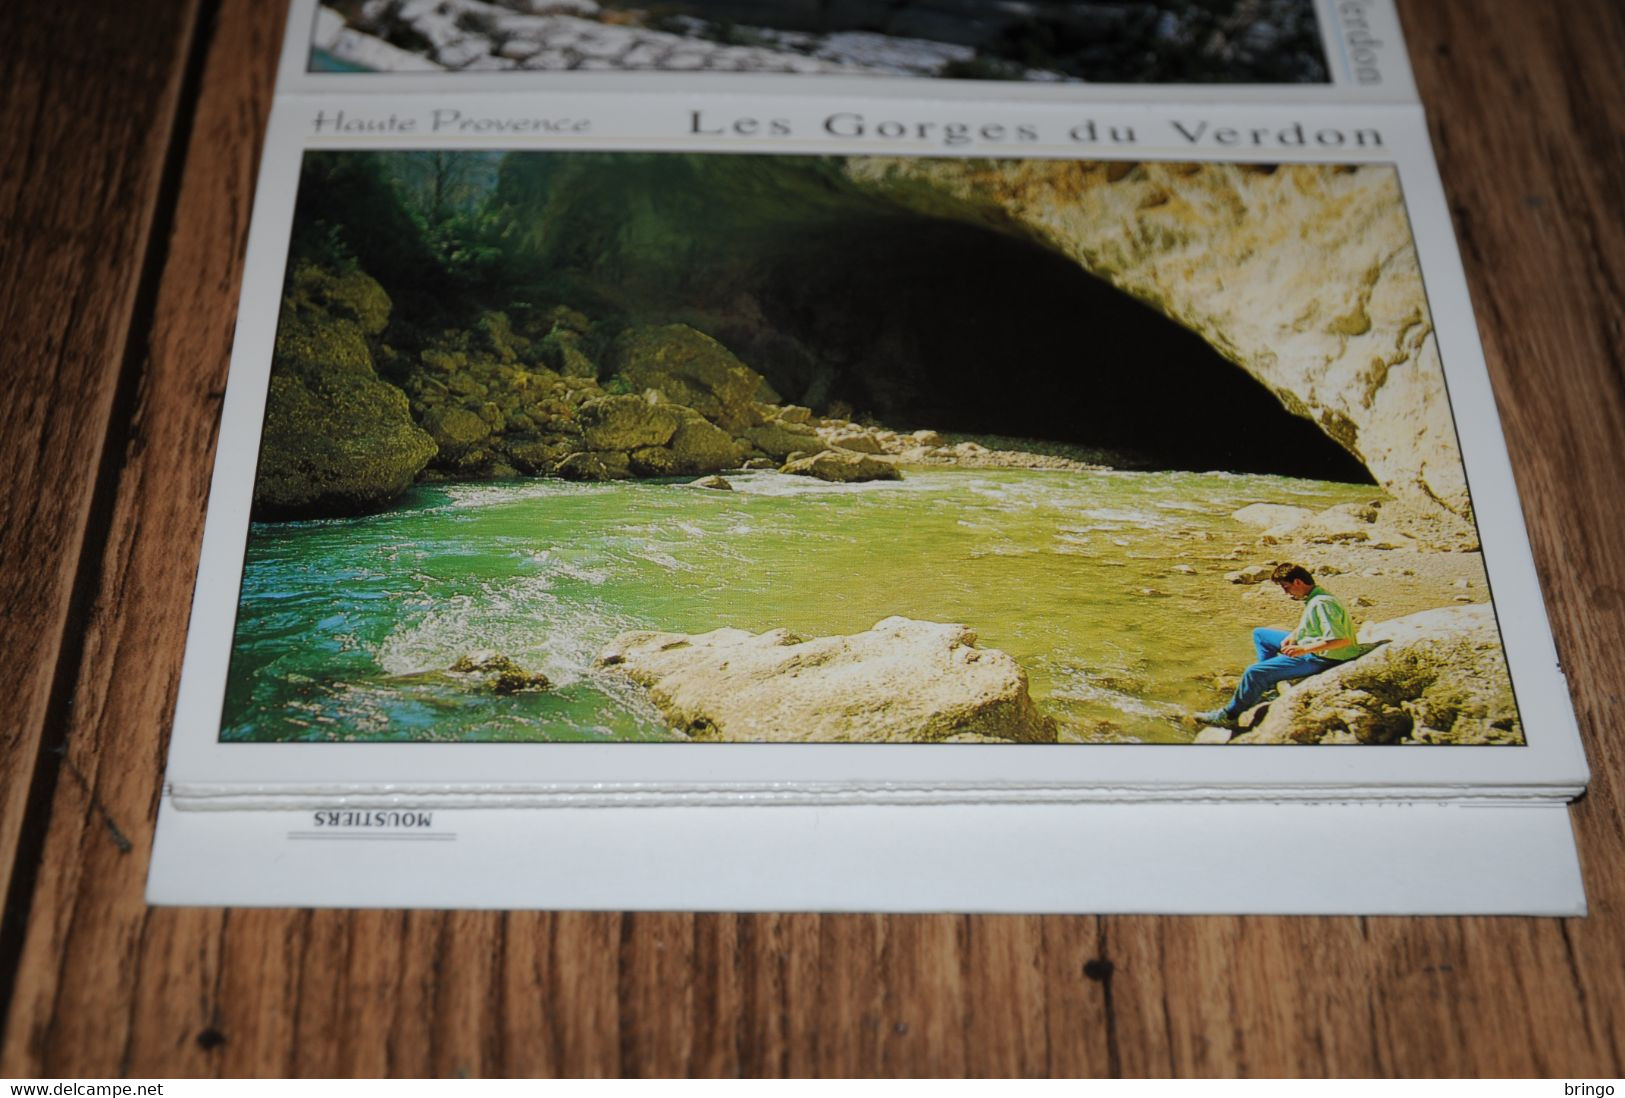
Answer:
(1077, 575)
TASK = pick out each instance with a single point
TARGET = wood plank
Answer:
(86, 928)
(88, 97)
(107, 986)
(1529, 125)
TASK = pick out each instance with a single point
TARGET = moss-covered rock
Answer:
(595, 465)
(626, 423)
(500, 674)
(345, 295)
(562, 318)
(564, 350)
(538, 456)
(690, 368)
(653, 461)
(779, 440)
(456, 431)
(341, 445)
(699, 446)
(500, 339)
(338, 440)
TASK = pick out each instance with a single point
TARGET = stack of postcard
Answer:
(980, 455)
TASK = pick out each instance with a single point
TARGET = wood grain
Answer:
(1525, 99)
(126, 674)
(88, 98)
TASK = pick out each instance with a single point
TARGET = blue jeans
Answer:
(1271, 668)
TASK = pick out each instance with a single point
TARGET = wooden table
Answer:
(128, 142)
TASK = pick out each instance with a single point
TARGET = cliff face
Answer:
(971, 295)
(1305, 276)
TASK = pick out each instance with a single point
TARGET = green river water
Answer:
(1071, 573)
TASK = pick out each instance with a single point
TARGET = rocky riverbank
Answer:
(352, 421)
(1436, 677)
(1132, 40)
(1433, 674)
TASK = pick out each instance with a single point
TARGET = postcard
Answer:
(612, 434)
(633, 457)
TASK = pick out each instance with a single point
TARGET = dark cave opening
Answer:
(902, 299)
(930, 323)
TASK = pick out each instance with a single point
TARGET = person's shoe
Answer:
(1219, 718)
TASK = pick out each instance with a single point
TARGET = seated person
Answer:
(1323, 639)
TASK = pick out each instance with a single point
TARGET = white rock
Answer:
(915, 56)
(858, 441)
(549, 60)
(903, 681)
(375, 55)
(489, 63)
(1274, 517)
(440, 28)
(517, 49)
(558, 7)
(329, 25)
(561, 34)
(605, 43)
(642, 56)
(463, 52)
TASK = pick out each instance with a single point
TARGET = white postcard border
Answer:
(1552, 763)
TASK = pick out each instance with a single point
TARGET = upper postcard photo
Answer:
(1101, 41)
(1137, 43)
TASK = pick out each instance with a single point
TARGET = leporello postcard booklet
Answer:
(952, 415)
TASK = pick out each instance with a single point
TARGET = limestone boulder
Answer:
(689, 368)
(337, 439)
(563, 351)
(1272, 516)
(779, 439)
(626, 423)
(343, 295)
(903, 681)
(595, 465)
(538, 456)
(456, 431)
(861, 442)
(1438, 676)
(1351, 523)
(499, 673)
(843, 467)
(699, 446)
(653, 461)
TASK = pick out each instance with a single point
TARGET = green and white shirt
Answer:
(1324, 618)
